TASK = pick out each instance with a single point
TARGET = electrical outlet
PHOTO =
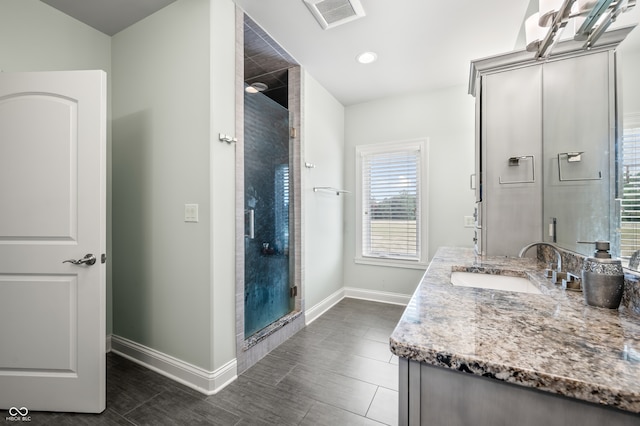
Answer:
(469, 222)
(191, 213)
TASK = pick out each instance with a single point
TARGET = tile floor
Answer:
(337, 371)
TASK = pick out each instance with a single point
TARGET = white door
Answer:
(52, 209)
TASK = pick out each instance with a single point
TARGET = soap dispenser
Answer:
(602, 278)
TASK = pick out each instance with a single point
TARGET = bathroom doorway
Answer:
(269, 303)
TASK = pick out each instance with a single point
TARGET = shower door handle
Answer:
(252, 224)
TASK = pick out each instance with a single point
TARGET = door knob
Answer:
(88, 259)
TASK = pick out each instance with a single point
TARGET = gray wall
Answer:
(323, 224)
(173, 281)
(446, 118)
(222, 189)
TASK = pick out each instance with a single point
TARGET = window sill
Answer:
(392, 263)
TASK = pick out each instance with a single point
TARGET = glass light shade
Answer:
(583, 7)
(548, 9)
(533, 32)
(256, 87)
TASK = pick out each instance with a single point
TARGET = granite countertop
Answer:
(551, 341)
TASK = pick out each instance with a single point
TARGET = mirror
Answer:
(629, 163)
(578, 149)
(592, 191)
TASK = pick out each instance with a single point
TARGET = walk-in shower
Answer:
(267, 278)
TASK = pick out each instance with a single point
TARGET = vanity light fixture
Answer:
(547, 11)
(533, 33)
(592, 18)
(367, 57)
(256, 87)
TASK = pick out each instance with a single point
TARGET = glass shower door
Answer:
(267, 205)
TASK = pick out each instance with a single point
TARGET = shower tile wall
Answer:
(266, 158)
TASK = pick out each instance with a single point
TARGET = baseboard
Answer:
(377, 296)
(317, 310)
(211, 382)
(206, 382)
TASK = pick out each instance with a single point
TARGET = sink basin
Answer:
(495, 282)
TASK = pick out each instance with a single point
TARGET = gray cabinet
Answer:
(546, 141)
(511, 151)
(430, 395)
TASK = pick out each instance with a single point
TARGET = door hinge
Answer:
(293, 291)
(293, 133)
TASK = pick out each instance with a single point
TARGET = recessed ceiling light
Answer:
(256, 87)
(367, 57)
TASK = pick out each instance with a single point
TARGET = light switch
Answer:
(190, 212)
(469, 222)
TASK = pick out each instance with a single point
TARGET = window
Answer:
(282, 207)
(630, 215)
(390, 207)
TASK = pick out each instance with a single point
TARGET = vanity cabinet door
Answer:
(578, 136)
(511, 166)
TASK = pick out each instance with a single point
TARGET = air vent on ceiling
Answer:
(331, 13)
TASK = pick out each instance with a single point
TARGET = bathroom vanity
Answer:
(477, 356)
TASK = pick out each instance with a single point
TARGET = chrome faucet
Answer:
(542, 243)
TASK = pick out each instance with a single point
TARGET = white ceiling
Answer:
(421, 44)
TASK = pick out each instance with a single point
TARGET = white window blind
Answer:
(391, 203)
(630, 215)
(282, 207)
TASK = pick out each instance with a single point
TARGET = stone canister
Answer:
(602, 278)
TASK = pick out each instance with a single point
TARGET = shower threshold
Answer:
(278, 324)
